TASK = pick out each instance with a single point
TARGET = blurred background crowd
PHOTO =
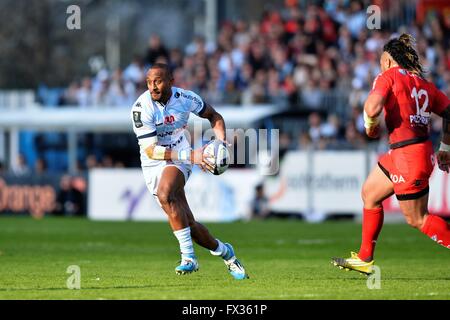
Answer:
(316, 60)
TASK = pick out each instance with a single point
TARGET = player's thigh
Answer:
(376, 188)
(171, 183)
(415, 210)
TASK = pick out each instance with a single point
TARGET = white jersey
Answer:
(167, 122)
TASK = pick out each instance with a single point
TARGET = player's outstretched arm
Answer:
(216, 120)
(372, 110)
(443, 155)
(156, 152)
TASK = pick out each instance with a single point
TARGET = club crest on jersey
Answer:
(137, 119)
(169, 119)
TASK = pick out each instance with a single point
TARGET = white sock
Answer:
(185, 240)
(221, 250)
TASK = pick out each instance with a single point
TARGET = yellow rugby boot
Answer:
(354, 263)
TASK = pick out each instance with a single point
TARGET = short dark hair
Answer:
(164, 67)
(403, 52)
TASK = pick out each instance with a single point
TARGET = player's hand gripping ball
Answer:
(217, 156)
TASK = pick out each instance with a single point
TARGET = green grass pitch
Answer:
(286, 259)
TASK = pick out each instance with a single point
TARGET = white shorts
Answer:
(152, 175)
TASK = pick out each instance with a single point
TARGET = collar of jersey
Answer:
(168, 101)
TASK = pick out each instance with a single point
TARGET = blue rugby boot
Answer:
(235, 268)
(188, 265)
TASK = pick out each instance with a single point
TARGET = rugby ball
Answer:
(216, 154)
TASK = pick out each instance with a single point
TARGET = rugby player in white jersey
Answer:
(160, 116)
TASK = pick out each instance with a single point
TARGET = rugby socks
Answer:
(222, 250)
(185, 240)
(437, 229)
(371, 227)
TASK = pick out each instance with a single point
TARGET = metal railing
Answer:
(15, 99)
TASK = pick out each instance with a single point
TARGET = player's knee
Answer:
(367, 198)
(164, 196)
(364, 195)
(415, 222)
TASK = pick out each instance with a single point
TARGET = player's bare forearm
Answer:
(216, 120)
(374, 105)
(161, 153)
(443, 154)
(446, 126)
(372, 110)
(218, 125)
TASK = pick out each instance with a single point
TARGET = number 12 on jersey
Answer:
(422, 117)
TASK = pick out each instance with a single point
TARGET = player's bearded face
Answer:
(159, 85)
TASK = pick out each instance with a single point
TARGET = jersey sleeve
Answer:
(198, 105)
(143, 125)
(440, 101)
(382, 85)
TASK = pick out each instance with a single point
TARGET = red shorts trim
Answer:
(409, 168)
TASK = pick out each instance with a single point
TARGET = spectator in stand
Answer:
(70, 200)
(40, 167)
(107, 161)
(136, 71)
(121, 92)
(21, 168)
(91, 162)
(260, 204)
(70, 95)
(300, 55)
(315, 128)
(85, 95)
(64, 200)
(155, 49)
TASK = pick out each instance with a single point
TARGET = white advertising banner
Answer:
(288, 191)
(322, 181)
(121, 194)
(337, 181)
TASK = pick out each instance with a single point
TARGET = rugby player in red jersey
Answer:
(408, 101)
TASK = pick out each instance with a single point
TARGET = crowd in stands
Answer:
(315, 58)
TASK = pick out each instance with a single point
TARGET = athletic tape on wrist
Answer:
(184, 155)
(159, 153)
(370, 122)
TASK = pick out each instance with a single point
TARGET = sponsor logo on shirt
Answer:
(165, 134)
(172, 145)
(419, 120)
(189, 97)
(397, 179)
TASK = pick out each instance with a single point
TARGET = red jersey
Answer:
(409, 101)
